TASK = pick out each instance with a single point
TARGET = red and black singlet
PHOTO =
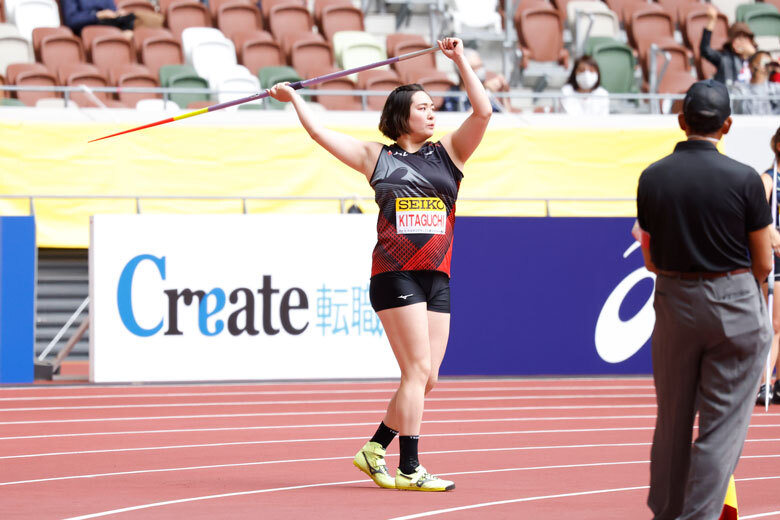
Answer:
(416, 194)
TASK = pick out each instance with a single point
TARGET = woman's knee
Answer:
(418, 371)
(432, 380)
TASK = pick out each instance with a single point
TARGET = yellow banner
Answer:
(281, 163)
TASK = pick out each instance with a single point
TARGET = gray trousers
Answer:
(709, 346)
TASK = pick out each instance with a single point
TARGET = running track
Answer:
(527, 449)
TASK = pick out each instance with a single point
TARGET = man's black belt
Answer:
(701, 275)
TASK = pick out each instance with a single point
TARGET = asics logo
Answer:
(405, 296)
(402, 154)
(380, 469)
(428, 153)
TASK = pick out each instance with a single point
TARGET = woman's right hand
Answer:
(281, 92)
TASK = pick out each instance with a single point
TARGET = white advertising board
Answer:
(233, 297)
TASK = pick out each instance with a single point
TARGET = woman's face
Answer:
(422, 119)
(586, 76)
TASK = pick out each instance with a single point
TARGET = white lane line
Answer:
(257, 491)
(760, 515)
(284, 441)
(388, 390)
(332, 412)
(332, 425)
(320, 459)
(329, 439)
(210, 497)
(445, 380)
(516, 501)
(322, 401)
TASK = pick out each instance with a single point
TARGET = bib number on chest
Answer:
(420, 215)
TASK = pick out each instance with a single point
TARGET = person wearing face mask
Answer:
(491, 81)
(732, 59)
(583, 93)
(756, 95)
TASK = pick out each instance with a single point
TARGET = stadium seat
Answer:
(235, 83)
(29, 14)
(237, 17)
(623, 7)
(165, 4)
(744, 9)
(196, 105)
(270, 76)
(354, 53)
(182, 15)
(39, 33)
(764, 23)
(257, 49)
(11, 102)
(183, 76)
(319, 5)
(775, 3)
(77, 74)
(728, 7)
(308, 53)
(266, 6)
(55, 103)
(135, 5)
(540, 36)
(434, 81)
(31, 75)
(678, 68)
(616, 63)
(588, 19)
(157, 105)
(133, 75)
(377, 79)
(207, 50)
(649, 27)
(468, 16)
(107, 47)
(57, 49)
(676, 7)
(398, 45)
(14, 49)
(157, 47)
(393, 40)
(335, 18)
(694, 19)
(8, 29)
(343, 40)
(336, 102)
(288, 17)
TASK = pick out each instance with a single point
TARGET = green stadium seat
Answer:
(11, 102)
(270, 76)
(616, 62)
(765, 23)
(744, 10)
(183, 76)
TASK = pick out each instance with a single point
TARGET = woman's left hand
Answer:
(451, 47)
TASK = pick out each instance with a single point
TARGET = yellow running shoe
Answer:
(421, 480)
(371, 461)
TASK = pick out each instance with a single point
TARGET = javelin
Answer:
(260, 95)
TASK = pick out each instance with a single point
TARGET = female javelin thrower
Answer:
(416, 184)
(766, 386)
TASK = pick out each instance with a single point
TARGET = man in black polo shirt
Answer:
(704, 222)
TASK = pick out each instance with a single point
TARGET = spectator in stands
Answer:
(583, 93)
(77, 14)
(774, 71)
(732, 60)
(759, 89)
(492, 81)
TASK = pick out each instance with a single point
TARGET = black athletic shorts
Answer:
(400, 288)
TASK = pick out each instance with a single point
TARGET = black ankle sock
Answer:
(384, 435)
(408, 462)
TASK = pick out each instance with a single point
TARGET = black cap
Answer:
(706, 105)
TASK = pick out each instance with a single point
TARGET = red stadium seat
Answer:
(31, 75)
(257, 49)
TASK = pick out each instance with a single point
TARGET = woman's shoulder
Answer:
(600, 91)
